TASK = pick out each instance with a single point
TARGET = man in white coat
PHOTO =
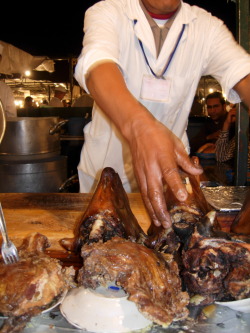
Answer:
(142, 61)
(60, 93)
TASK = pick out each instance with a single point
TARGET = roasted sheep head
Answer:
(108, 215)
(215, 267)
(151, 279)
(32, 284)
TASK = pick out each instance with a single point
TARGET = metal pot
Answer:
(31, 137)
(34, 176)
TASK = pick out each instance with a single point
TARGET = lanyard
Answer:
(170, 57)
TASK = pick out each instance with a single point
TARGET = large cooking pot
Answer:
(31, 137)
(35, 176)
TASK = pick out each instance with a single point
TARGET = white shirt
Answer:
(206, 48)
(85, 100)
(8, 100)
(55, 102)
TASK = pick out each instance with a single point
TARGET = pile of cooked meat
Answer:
(151, 279)
(32, 284)
(215, 267)
(111, 242)
(162, 269)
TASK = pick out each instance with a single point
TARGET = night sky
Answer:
(55, 29)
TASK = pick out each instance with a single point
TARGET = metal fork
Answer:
(9, 251)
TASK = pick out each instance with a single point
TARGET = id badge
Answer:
(155, 89)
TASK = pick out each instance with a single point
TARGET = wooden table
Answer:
(54, 215)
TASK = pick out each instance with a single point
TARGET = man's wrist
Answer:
(137, 122)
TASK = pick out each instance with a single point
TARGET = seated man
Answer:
(225, 147)
(209, 132)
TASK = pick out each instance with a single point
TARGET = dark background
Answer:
(55, 29)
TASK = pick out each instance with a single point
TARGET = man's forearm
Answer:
(107, 86)
(243, 89)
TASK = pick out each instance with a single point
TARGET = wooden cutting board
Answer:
(54, 214)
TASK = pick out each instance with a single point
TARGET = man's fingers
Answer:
(173, 180)
(158, 203)
(154, 200)
(156, 166)
(188, 164)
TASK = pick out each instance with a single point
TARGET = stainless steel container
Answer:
(34, 176)
(31, 137)
(30, 159)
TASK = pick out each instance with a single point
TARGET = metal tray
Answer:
(226, 198)
(223, 320)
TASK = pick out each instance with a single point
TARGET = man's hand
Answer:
(157, 155)
(231, 118)
(207, 148)
(243, 88)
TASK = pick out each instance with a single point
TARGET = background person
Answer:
(205, 139)
(29, 109)
(29, 103)
(225, 148)
(59, 95)
(143, 79)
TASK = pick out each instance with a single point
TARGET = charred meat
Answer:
(108, 215)
(29, 286)
(162, 240)
(184, 216)
(191, 210)
(151, 279)
(215, 268)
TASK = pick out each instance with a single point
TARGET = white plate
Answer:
(54, 305)
(2, 316)
(242, 305)
(102, 310)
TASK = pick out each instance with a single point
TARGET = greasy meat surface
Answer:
(30, 285)
(184, 216)
(237, 281)
(107, 215)
(216, 268)
(162, 240)
(151, 279)
(192, 209)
